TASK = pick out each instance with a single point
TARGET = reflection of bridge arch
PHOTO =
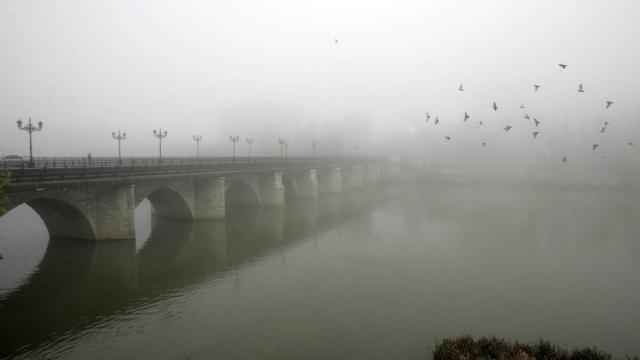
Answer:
(239, 192)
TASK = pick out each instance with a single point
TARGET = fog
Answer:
(355, 76)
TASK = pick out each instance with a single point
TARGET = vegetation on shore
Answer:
(467, 348)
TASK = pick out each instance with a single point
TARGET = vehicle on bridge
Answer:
(12, 161)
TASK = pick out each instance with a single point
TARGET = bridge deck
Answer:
(71, 172)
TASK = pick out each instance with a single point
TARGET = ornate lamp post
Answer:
(281, 141)
(234, 139)
(160, 135)
(119, 137)
(314, 144)
(30, 129)
(197, 139)
(250, 142)
(286, 149)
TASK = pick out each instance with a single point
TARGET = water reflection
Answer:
(80, 284)
(345, 278)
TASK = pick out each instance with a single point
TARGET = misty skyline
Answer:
(269, 69)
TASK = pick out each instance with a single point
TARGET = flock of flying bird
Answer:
(535, 134)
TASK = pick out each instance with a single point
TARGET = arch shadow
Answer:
(290, 188)
(240, 193)
(169, 204)
(63, 220)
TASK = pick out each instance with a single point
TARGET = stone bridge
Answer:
(97, 201)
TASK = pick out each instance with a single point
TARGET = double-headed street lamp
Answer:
(282, 141)
(119, 136)
(30, 129)
(160, 135)
(234, 139)
(197, 139)
(286, 149)
(249, 142)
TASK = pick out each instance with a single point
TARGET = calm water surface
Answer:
(377, 275)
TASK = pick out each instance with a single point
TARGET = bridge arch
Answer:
(62, 218)
(168, 203)
(240, 192)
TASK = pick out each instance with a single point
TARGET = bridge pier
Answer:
(209, 198)
(308, 185)
(271, 190)
(330, 181)
(114, 208)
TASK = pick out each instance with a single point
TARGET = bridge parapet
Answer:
(26, 178)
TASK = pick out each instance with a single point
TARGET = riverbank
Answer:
(466, 347)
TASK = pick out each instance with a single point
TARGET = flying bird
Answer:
(580, 89)
(609, 103)
(484, 144)
(437, 120)
(535, 134)
(526, 116)
(562, 65)
(481, 123)
(428, 117)
(460, 88)
(335, 40)
(495, 107)
(536, 121)
(507, 128)
(466, 116)
(630, 143)
(603, 129)
(564, 159)
(448, 138)
(536, 87)
(594, 146)
(521, 106)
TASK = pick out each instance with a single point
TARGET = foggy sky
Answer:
(271, 68)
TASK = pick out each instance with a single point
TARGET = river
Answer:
(376, 274)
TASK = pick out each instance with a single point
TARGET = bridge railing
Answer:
(84, 162)
(74, 169)
(69, 162)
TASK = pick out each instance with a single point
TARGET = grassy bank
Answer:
(467, 348)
